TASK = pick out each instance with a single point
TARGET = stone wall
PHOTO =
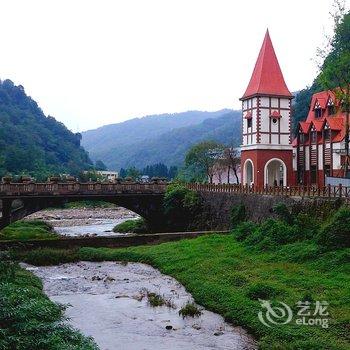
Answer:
(217, 207)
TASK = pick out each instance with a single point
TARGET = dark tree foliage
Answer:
(32, 143)
(123, 173)
(99, 165)
(160, 170)
(154, 170)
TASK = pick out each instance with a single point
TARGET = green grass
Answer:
(28, 319)
(228, 277)
(24, 230)
(131, 226)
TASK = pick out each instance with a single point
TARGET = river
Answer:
(108, 300)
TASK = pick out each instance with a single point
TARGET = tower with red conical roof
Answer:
(267, 154)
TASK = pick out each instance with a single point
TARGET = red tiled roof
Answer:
(267, 77)
(318, 124)
(275, 114)
(335, 123)
(322, 102)
(305, 127)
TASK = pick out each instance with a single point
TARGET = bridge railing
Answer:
(77, 188)
(298, 191)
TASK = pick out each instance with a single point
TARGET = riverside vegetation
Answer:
(28, 319)
(24, 230)
(290, 258)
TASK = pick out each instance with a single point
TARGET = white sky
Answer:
(90, 63)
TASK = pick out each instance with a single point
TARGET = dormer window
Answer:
(331, 107)
(318, 110)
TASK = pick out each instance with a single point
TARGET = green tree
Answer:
(200, 160)
(133, 173)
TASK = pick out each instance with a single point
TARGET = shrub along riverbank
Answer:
(28, 319)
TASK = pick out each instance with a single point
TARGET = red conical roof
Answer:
(267, 77)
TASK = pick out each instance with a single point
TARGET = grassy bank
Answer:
(228, 277)
(28, 319)
(23, 230)
(131, 226)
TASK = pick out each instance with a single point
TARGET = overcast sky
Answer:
(90, 63)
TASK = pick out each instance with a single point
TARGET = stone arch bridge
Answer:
(144, 199)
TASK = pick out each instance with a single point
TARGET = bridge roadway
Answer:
(22, 199)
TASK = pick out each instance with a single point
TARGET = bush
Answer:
(336, 233)
(180, 207)
(238, 214)
(306, 226)
(283, 213)
(131, 226)
(271, 233)
(244, 230)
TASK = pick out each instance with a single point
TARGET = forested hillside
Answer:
(32, 143)
(161, 139)
(101, 140)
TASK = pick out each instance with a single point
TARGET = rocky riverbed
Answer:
(108, 301)
(84, 221)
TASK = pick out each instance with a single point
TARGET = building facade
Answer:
(267, 151)
(269, 156)
(319, 147)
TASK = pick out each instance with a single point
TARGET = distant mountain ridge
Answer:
(160, 138)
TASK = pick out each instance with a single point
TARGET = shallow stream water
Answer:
(102, 227)
(108, 301)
